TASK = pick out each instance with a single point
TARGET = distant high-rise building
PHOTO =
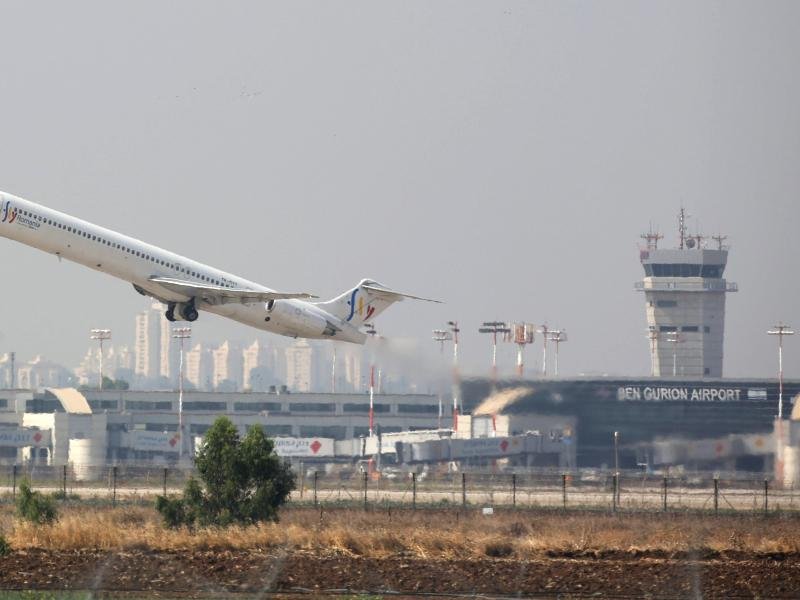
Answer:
(685, 293)
(148, 343)
(228, 367)
(256, 360)
(198, 367)
(300, 367)
(5, 371)
(40, 373)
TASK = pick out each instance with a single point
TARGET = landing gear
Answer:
(190, 313)
(179, 311)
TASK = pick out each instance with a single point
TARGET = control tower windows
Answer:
(667, 328)
(683, 270)
(666, 303)
(690, 328)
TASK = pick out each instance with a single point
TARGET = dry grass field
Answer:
(447, 534)
(105, 552)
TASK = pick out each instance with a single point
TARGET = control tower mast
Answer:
(685, 292)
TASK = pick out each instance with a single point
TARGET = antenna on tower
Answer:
(719, 239)
(651, 237)
(682, 227)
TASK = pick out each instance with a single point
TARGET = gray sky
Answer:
(502, 156)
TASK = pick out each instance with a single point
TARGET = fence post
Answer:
(114, 485)
(665, 493)
(316, 475)
(165, 482)
(615, 484)
(366, 479)
(564, 490)
(64, 481)
(14, 483)
(514, 490)
(766, 495)
(414, 491)
(463, 489)
(716, 495)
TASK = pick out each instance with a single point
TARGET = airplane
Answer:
(186, 286)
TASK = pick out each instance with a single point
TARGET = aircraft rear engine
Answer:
(303, 319)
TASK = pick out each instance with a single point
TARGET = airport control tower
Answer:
(685, 293)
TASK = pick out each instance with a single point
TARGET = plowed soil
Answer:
(195, 573)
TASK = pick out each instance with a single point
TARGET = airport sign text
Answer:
(699, 394)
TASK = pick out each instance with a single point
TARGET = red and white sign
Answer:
(305, 447)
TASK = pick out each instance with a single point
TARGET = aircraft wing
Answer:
(393, 295)
(215, 295)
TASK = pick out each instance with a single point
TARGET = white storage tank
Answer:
(80, 458)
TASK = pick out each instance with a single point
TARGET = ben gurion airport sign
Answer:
(689, 394)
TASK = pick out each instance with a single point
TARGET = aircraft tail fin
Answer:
(365, 302)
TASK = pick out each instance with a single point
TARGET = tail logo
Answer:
(7, 213)
(364, 311)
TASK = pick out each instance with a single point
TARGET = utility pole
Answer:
(181, 333)
(494, 327)
(780, 330)
(100, 335)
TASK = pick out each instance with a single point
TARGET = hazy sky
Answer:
(501, 156)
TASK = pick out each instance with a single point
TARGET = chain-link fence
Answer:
(583, 489)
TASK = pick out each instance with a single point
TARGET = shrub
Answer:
(34, 506)
(243, 481)
(5, 547)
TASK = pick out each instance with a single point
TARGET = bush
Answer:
(243, 481)
(5, 547)
(34, 506)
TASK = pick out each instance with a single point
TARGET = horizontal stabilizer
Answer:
(214, 294)
(387, 293)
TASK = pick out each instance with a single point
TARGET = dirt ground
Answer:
(216, 573)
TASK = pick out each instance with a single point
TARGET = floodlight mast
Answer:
(780, 330)
(100, 335)
(558, 336)
(441, 336)
(494, 327)
(675, 338)
(521, 334)
(652, 335)
(454, 331)
(370, 330)
(181, 333)
(543, 330)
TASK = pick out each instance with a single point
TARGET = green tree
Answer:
(243, 480)
(34, 506)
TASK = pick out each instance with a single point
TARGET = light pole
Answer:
(558, 336)
(521, 334)
(333, 371)
(494, 327)
(675, 338)
(100, 335)
(652, 335)
(780, 330)
(371, 332)
(454, 330)
(181, 333)
(543, 330)
(441, 336)
(13, 357)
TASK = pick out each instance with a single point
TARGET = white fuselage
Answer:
(135, 261)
